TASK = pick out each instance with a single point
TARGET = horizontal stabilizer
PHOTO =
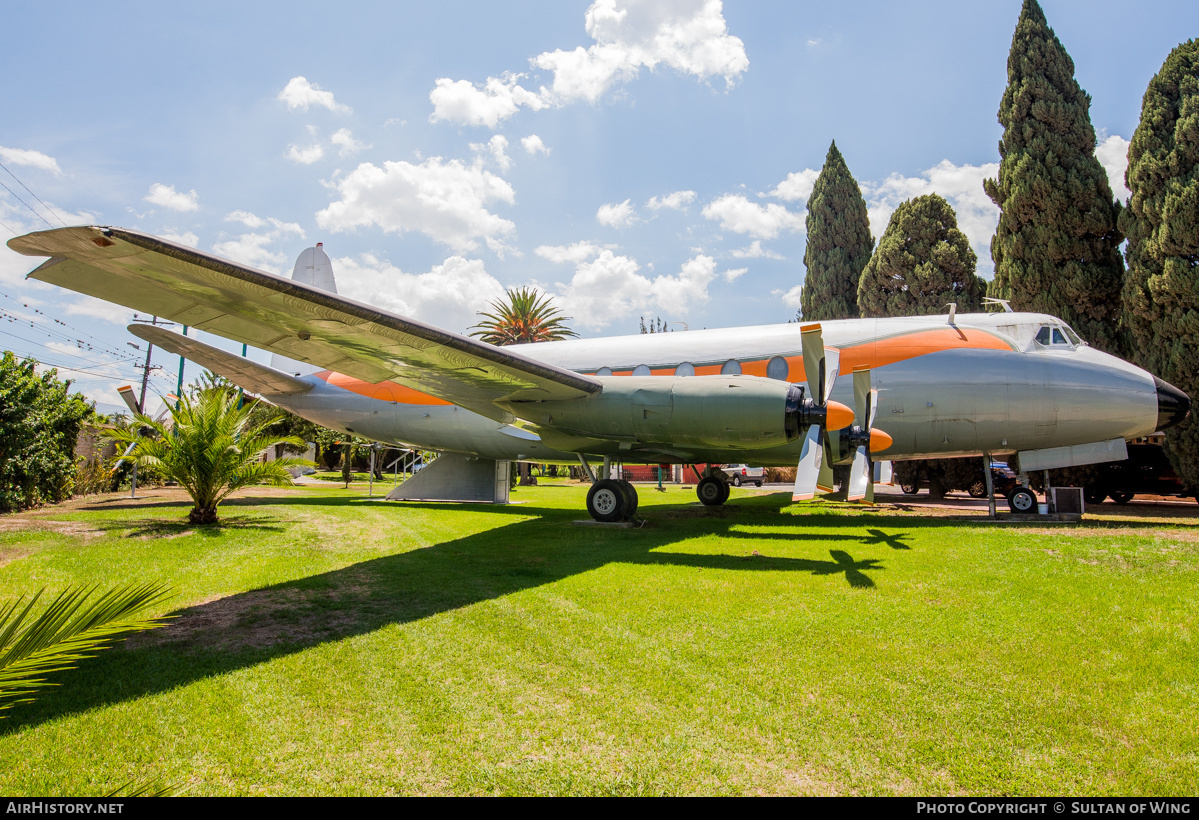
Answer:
(248, 375)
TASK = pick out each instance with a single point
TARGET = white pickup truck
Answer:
(744, 474)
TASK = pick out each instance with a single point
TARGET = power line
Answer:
(27, 205)
(35, 196)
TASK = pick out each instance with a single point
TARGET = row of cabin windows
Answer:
(776, 368)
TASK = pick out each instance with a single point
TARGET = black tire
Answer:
(606, 501)
(631, 499)
(712, 491)
(736, 481)
(978, 489)
(1122, 498)
(909, 489)
(1094, 495)
(757, 483)
(1022, 500)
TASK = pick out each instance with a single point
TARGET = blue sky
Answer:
(632, 159)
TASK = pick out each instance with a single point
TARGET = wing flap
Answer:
(252, 376)
(270, 312)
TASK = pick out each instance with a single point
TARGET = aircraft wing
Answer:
(274, 313)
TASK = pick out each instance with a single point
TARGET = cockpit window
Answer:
(1072, 336)
(1054, 336)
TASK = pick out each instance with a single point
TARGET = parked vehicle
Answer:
(1146, 470)
(744, 474)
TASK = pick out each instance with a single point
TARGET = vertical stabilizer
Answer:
(312, 268)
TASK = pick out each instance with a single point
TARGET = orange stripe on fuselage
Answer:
(871, 354)
(868, 354)
(384, 391)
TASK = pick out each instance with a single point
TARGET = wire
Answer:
(27, 205)
(35, 196)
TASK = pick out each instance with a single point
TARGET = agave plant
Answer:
(74, 626)
(526, 316)
(211, 447)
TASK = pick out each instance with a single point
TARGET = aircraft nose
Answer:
(1172, 404)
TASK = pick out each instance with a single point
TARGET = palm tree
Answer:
(70, 629)
(526, 316)
(211, 447)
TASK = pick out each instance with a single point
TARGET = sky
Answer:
(631, 159)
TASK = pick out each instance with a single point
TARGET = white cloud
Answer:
(677, 201)
(253, 248)
(166, 196)
(1112, 153)
(797, 186)
(610, 287)
(690, 36)
(960, 185)
(346, 143)
(738, 214)
(755, 251)
(534, 145)
(29, 158)
(183, 238)
(444, 200)
(299, 94)
(463, 102)
(449, 296)
(790, 298)
(616, 215)
(733, 273)
(305, 156)
(576, 252)
(99, 309)
(497, 147)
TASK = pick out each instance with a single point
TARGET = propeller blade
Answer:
(832, 445)
(812, 341)
(127, 395)
(124, 455)
(873, 411)
(883, 473)
(859, 475)
(811, 461)
(861, 395)
(832, 368)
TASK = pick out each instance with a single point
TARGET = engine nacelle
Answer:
(712, 411)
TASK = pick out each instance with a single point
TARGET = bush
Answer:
(40, 422)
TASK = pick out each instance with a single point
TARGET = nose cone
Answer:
(1172, 404)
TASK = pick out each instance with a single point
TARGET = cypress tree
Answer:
(922, 263)
(839, 243)
(1161, 293)
(1056, 248)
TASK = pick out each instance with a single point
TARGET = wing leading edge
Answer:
(270, 312)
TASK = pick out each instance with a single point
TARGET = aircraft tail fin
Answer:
(313, 267)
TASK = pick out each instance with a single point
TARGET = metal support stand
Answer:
(371, 484)
(990, 484)
(587, 468)
(1049, 505)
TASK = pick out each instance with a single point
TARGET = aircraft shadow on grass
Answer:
(252, 627)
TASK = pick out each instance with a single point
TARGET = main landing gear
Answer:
(713, 487)
(609, 499)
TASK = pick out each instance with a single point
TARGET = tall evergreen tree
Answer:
(1056, 249)
(839, 243)
(922, 263)
(1161, 293)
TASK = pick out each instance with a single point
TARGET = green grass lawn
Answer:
(327, 643)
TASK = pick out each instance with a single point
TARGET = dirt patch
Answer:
(29, 523)
(264, 618)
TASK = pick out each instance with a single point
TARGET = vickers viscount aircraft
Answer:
(1018, 384)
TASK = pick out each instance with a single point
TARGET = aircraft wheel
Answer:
(736, 481)
(606, 501)
(712, 491)
(1122, 498)
(630, 497)
(909, 489)
(978, 489)
(1022, 500)
(1094, 495)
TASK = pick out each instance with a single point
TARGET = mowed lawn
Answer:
(328, 643)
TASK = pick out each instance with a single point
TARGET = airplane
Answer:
(1020, 385)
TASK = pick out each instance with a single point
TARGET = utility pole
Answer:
(141, 402)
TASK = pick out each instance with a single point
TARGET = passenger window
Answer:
(731, 368)
(604, 371)
(685, 369)
(777, 368)
(641, 370)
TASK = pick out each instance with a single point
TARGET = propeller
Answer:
(864, 438)
(818, 413)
